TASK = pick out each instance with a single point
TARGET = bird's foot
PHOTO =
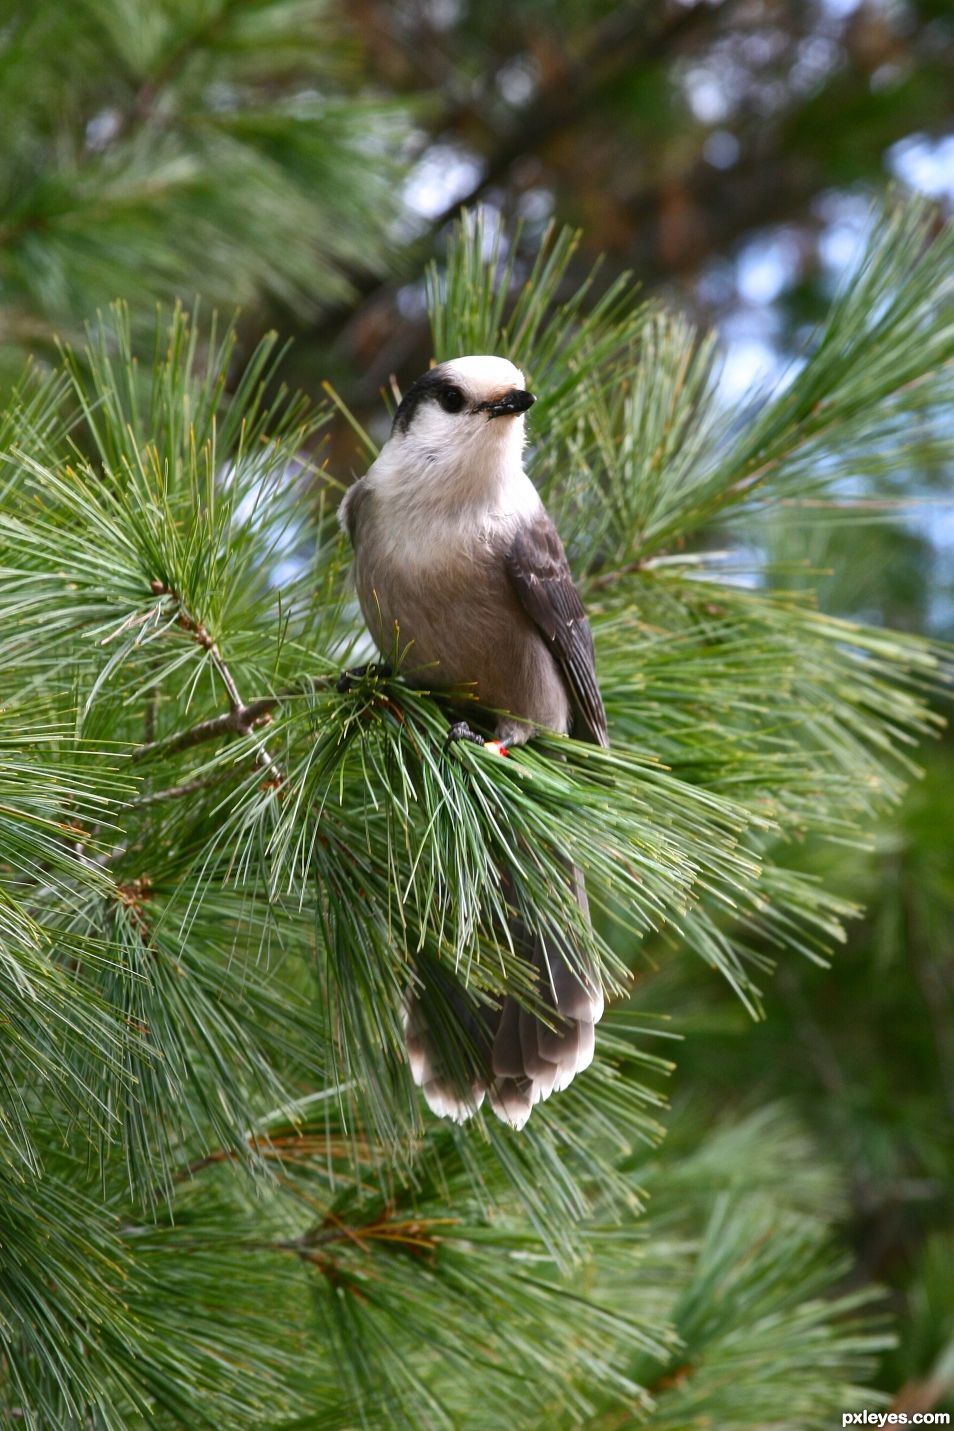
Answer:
(462, 731)
(351, 677)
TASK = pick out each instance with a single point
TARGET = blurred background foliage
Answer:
(302, 159)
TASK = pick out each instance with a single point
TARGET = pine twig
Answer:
(238, 721)
(241, 717)
(178, 792)
(605, 579)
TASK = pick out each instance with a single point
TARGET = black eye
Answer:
(451, 399)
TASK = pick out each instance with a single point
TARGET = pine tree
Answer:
(221, 1199)
(227, 148)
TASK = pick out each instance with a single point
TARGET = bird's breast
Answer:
(437, 599)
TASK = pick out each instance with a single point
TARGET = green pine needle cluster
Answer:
(171, 149)
(222, 1201)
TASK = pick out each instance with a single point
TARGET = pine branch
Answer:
(127, 174)
(618, 44)
(623, 41)
(240, 720)
(181, 792)
(217, 1010)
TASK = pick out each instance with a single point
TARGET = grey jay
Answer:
(458, 565)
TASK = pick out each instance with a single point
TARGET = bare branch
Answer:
(178, 792)
(240, 720)
(232, 722)
(609, 578)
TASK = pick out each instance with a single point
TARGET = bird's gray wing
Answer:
(540, 575)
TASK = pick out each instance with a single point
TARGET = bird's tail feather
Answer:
(516, 1055)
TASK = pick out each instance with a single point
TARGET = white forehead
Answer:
(486, 371)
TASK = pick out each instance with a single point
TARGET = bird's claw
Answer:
(350, 678)
(462, 731)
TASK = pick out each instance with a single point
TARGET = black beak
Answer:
(517, 400)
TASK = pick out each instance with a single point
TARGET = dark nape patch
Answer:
(426, 386)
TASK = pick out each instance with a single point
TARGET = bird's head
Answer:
(464, 418)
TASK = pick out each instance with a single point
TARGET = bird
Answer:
(457, 563)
